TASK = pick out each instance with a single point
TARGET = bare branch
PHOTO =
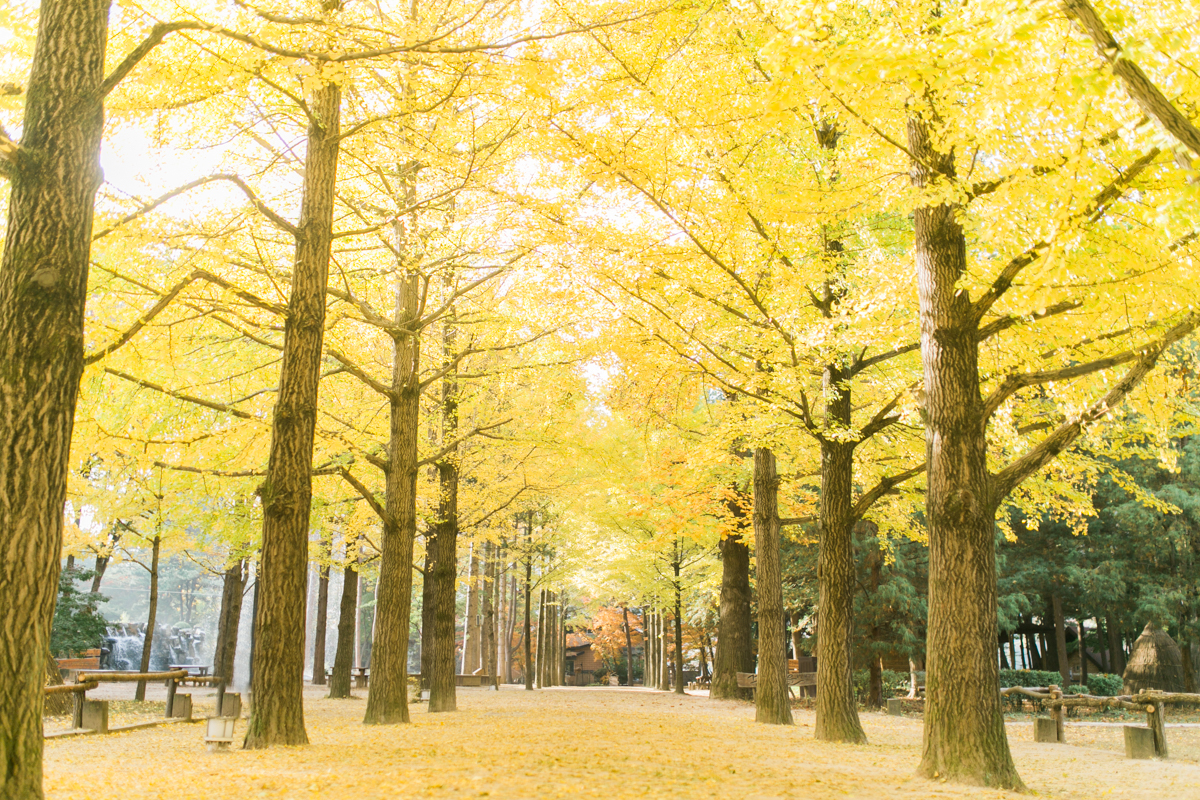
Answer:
(155, 203)
(145, 319)
(351, 368)
(1137, 83)
(1004, 323)
(200, 401)
(1093, 210)
(1009, 478)
(449, 448)
(881, 489)
(366, 493)
(157, 33)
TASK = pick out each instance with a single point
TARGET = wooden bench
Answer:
(478, 679)
(749, 680)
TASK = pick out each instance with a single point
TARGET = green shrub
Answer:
(78, 625)
(894, 683)
(1028, 677)
(1105, 685)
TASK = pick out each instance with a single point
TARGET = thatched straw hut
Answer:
(1156, 663)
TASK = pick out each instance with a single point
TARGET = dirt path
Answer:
(577, 743)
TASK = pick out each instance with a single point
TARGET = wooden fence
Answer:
(1137, 744)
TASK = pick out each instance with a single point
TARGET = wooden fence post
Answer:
(1156, 721)
(1057, 714)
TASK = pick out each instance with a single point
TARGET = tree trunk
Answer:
(796, 636)
(43, 290)
(1116, 651)
(366, 620)
(1083, 657)
(551, 637)
(664, 654)
(101, 565)
(651, 676)
(232, 592)
(735, 651)
(318, 670)
(837, 711)
(628, 647)
(964, 738)
(442, 689)
(528, 622)
(426, 618)
(510, 630)
(442, 571)
(151, 614)
(703, 659)
(679, 686)
(277, 688)
(487, 633)
(1060, 642)
(471, 643)
(387, 693)
(343, 657)
(493, 663)
(56, 705)
(875, 683)
(540, 655)
(771, 701)
(1189, 674)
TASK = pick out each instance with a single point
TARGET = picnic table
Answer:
(362, 676)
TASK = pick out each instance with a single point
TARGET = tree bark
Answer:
(651, 678)
(471, 649)
(58, 704)
(679, 685)
(771, 702)
(551, 637)
(664, 654)
(43, 291)
(101, 564)
(1083, 657)
(796, 636)
(510, 629)
(151, 614)
(442, 570)
(343, 657)
(964, 738)
(232, 592)
(528, 622)
(1060, 642)
(837, 711)
(487, 633)
(426, 617)
(734, 646)
(497, 578)
(442, 687)
(318, 670)
(540, 655)
(658, 649)
(1116, 653)
(628, 647)
(277, 687)
(875, 683)
(387, 695)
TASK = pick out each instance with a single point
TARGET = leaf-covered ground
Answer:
(585, 743)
